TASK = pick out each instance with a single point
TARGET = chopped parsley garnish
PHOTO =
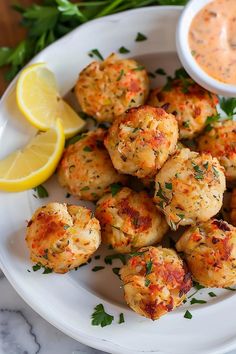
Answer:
(228, 105)
(38, 266)
(181, 216)
(47, 270)
(216, 173)
(211, 294)
(41, 191)
(120, 75)
(152, 75)
(188, 315)
(65, 227)
(199, 173)
(87, 149)
(232, 289)
(115, 188)
(168, 186)
(198, 286)
(149, 267)
(147, 282)
(74, 139)
(139, 68)
(205, 165)
(96, 53)
(161, 194)
(140, 37)
(123, 50)
(181, 73)
(196, 301)
(108, 259)
(116, 271)
(210, 120)
(135, 254)
(135, 130)
(160, 71)
(186, 124)
(86, 188)
(100, 317)
(121, 318)
(168, 85)
(193, 52)
(97, 268)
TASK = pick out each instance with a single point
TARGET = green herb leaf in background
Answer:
(47, 22)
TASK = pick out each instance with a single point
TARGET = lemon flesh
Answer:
(40, 102)
(35, 163)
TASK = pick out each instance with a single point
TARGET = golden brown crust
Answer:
(129, 220)
(220, 142)
(155, 281)
(86, 169)
(107, 89)
(189, 188)
(62, 237)
(140, 141)
(191, 105)
(210, 252)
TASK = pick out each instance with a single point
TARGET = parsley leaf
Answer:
(100, 317)
(147, 282)
(123, 50)
(121, 318)
(228, 105)
(97, 268)
(115, 188)
(160, 71)
(195, 301)
(87, 149)
(140, 37)
(97, 54)
(108, 259)
(69, 9)
(75, 138)
(168, 186)
(116, 271)
(188, 315)
(41, 191)
(149, 267)
(211, 294)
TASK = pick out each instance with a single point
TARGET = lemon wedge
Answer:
(35, 163)
(39, 100)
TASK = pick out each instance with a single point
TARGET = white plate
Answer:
(67, 301)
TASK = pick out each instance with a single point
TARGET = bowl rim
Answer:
(186, 57)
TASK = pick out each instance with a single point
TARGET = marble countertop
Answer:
(23, 331)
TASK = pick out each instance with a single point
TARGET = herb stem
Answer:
(109, 9)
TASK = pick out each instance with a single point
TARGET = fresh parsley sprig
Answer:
(52, 19)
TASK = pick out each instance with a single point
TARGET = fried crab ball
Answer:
(189, 188)
(233, 207)
(141, 140)
(62, 237)
(86, 169)
(220, 142)
(190, 103)
(210, 252)
(129, 220)
(155, 281)
(107, 89)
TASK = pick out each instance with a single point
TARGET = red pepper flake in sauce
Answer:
(212, 39)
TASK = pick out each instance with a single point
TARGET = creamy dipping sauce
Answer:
(212, 39)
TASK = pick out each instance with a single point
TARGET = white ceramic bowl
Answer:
(186, 58)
